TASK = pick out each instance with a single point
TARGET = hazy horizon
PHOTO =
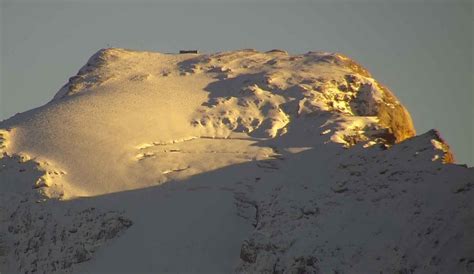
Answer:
(422, 51)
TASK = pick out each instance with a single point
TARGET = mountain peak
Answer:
(289, 163)
(291, 85)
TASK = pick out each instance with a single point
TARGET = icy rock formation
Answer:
(262, 95)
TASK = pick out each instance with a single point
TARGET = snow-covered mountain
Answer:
(243, 161)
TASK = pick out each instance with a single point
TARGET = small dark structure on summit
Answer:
(195, 51)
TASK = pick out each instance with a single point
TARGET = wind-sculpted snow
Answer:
(243, 161)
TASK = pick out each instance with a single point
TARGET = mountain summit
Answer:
(242, 161)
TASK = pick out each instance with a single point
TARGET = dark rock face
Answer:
(448, 157)
(397, 120)
(248, 252)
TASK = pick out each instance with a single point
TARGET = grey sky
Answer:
(422, 50)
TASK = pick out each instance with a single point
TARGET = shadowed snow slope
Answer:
(240, 161)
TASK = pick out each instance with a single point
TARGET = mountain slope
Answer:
(236, 161)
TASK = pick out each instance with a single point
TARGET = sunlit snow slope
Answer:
(243, 161)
